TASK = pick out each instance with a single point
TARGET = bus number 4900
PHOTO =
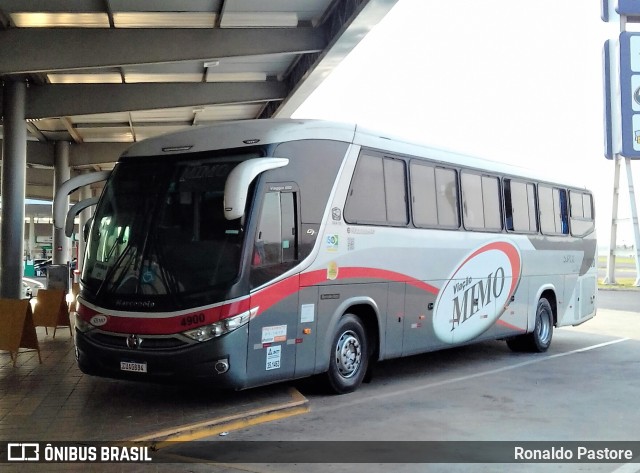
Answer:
(192, 319)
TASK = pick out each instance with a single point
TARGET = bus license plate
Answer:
(133, 366)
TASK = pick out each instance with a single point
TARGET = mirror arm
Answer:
(239, 179)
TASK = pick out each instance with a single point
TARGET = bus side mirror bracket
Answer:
(239, 179)
(60, 205)
(75, 210)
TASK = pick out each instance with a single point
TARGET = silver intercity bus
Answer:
(259, 251)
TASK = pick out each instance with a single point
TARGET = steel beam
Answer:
(98, 6)
(89, 154)
(40, 155)
(62, 6)
(57, 100)
(41, 50)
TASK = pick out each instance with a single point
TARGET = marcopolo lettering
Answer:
(477, 292)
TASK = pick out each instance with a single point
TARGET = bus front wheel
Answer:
(349, 356)
(539, 340)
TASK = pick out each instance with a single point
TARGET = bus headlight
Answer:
(83, 326)
(207, 332)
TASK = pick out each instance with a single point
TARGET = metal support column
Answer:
(634, 219)
(14, 172)
(61, 173)
(610, 278)
(32, 237)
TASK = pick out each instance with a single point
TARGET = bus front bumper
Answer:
(201, 362)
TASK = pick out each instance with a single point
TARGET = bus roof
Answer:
(245, 133)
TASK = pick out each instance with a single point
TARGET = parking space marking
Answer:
(628, 467)
(404, 391)
(298, 405)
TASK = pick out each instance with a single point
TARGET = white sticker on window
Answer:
(277, 333)
(99, 270)
(307, 313)
(273, 357)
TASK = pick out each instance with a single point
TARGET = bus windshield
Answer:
(160, 231)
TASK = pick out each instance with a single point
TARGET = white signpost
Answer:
(621, 62)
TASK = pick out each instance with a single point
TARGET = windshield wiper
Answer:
(116, 264)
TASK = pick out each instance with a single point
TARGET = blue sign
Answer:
(630, 93)
(604, 10)
(628, 7)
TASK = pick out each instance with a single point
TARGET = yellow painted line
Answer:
(298, 405)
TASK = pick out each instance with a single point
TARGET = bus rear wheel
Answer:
(349, 356)
(539, 340)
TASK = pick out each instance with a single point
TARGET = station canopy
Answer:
(102, 74)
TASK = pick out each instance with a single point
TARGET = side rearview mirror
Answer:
(75, 210)
(60, 203)
(239, 179)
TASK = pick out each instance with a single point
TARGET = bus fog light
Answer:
(222, 366)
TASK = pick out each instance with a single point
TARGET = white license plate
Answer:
(133, 366)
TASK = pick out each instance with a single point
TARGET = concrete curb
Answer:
(164, 438)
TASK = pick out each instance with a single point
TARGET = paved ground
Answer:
(622, 300)
(586, 387)
(55, 401)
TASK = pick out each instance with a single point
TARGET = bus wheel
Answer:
(539, 340)
(349, 356)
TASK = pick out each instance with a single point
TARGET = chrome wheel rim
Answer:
(543, 326)
(348, 354)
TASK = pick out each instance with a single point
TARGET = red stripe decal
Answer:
(313, 278)
(147, 324)
(150, 325)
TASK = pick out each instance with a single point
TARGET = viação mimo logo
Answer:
(477, 292)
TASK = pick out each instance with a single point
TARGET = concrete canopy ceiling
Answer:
(102, 74)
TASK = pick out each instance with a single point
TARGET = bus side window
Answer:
(378, 192)
(276, 244)
(434, 196)
(508, 204)
(562, 212)
(481, 202)
(519, 204)
(554, 214)
(288, 234)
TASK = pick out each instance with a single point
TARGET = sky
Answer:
(508, 80)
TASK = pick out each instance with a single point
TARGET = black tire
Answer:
(539, 340)
(349, 356)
